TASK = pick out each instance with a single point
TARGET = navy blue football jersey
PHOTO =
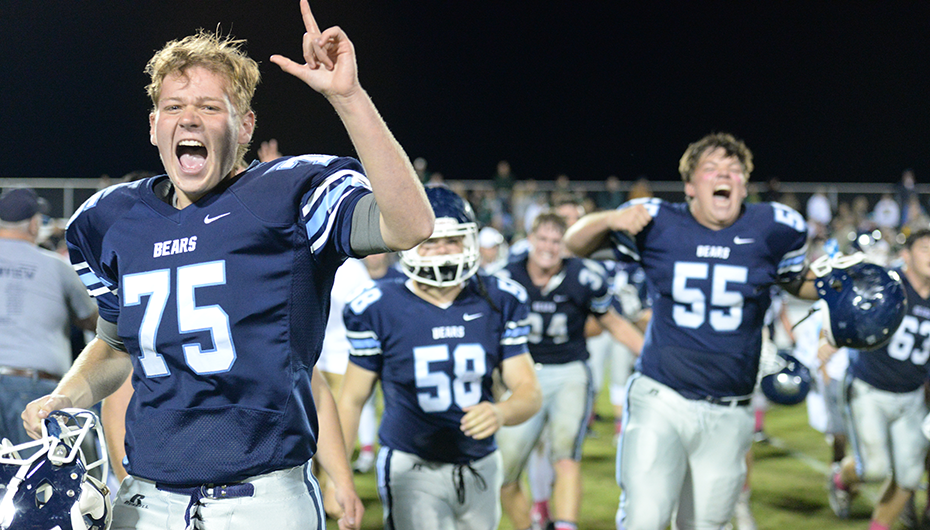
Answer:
(900, 365)
(628, 287)
(710, 291)
(395, 271)
(558, 310)
(222, 307)
(433, 361)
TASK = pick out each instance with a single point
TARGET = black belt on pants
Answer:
(729, 401)
(25, 372)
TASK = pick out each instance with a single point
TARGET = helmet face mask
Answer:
(46, 483)
(454, 219)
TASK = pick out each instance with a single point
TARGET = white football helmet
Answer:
(454, 218)
(45, 484)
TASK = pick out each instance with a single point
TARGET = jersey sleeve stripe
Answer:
(95, 285)
(793, 262)
(601, 304)
(516, 332)
(624, 247)
(363, 343)
(100, 291)
(364, 352)
(320, 210)
(361, 335)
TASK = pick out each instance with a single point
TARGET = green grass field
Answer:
(788, 480)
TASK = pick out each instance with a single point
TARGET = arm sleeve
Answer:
(106, 331)
(366, 236)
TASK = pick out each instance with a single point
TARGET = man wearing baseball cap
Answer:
(21, 204)
(41, 296)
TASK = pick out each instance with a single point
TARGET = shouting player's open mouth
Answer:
(722, 193)
(192, 156)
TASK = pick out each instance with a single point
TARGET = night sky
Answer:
(820, 90)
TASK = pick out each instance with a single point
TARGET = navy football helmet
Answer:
(865, 302)
(871, 243)
(45, 484)
(790, 384)
(454, 218)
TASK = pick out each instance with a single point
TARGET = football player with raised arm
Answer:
(216, 283)
(885, 389)
(563, 292)
(434, 341)
(709, 262)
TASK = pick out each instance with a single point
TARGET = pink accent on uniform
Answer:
(839, 482)
(875, 525)
(565, 525)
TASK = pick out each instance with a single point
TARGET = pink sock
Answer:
(760, 419)
(542, 508)
(618, 426)
(368, 448)
(875, 525)
(565, 525)
(839, 482)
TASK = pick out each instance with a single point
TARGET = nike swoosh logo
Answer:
(207, 219)
(468, 318)
(743, 241)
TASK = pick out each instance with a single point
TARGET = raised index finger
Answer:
(309, 21)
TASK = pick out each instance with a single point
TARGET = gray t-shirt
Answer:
(40, 294)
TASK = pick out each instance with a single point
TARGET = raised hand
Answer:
(631, 219)
(330, 67)
(269, 151)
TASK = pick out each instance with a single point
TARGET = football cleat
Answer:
(840, 498)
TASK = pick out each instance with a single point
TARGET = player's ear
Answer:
(152, 128)
(689, 189)
(246, 128)
(35, 224)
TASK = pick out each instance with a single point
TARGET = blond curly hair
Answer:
(729, 143)
(221, 54)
